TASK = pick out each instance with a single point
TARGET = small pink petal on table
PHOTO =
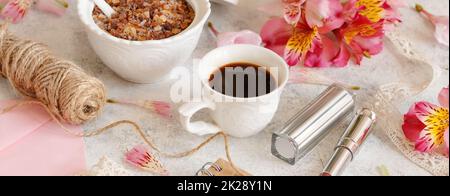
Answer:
(57, 7)
(442, 30)
(441, 24)
(230, 38)
(162, 108)
(242, 37)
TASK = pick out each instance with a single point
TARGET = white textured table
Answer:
(67, 38)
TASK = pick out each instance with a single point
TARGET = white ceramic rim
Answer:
(96, 29)
(280, 86)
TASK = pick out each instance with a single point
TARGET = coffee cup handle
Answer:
(200, 128)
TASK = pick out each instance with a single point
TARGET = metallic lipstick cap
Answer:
(308, 127)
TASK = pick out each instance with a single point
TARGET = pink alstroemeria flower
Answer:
(427, 124)
(441, 24)
(230, 38)
(362, 38)
(15, 10)
(331, 32)
(141, 158)
(57, 7)
(300, 43)
(299, 36)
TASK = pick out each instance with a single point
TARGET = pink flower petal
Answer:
(412, 126)
(424, 145)
(443, 97)
(230, 38)
(316, 11)
(371, 46)
(396, 4)
(392, 13)
(276, 32)
(303, 40)
(57, 7)
(442, 30)
(322, 55)
(292, 57)
(162, 108)
(424, 110)
(325, 14)
(441, 24)
(242, 37)
(279, 49)
(343, 56)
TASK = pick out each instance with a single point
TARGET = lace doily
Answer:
(106, 167)
(387, 96)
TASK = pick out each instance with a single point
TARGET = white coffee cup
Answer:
(238, 117)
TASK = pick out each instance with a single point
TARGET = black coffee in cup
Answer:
(242, 80)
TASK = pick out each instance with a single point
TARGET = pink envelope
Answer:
(31, 143)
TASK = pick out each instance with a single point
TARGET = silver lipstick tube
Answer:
(350, 142)
(308, 127)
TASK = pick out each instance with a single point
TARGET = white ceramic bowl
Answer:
(144, 61)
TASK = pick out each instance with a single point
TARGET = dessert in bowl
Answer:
(138, 55)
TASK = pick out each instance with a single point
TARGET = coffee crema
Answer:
(243, 80)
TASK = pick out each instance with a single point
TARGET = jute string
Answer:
(66, 92)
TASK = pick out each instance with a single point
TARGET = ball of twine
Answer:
(68, 92)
